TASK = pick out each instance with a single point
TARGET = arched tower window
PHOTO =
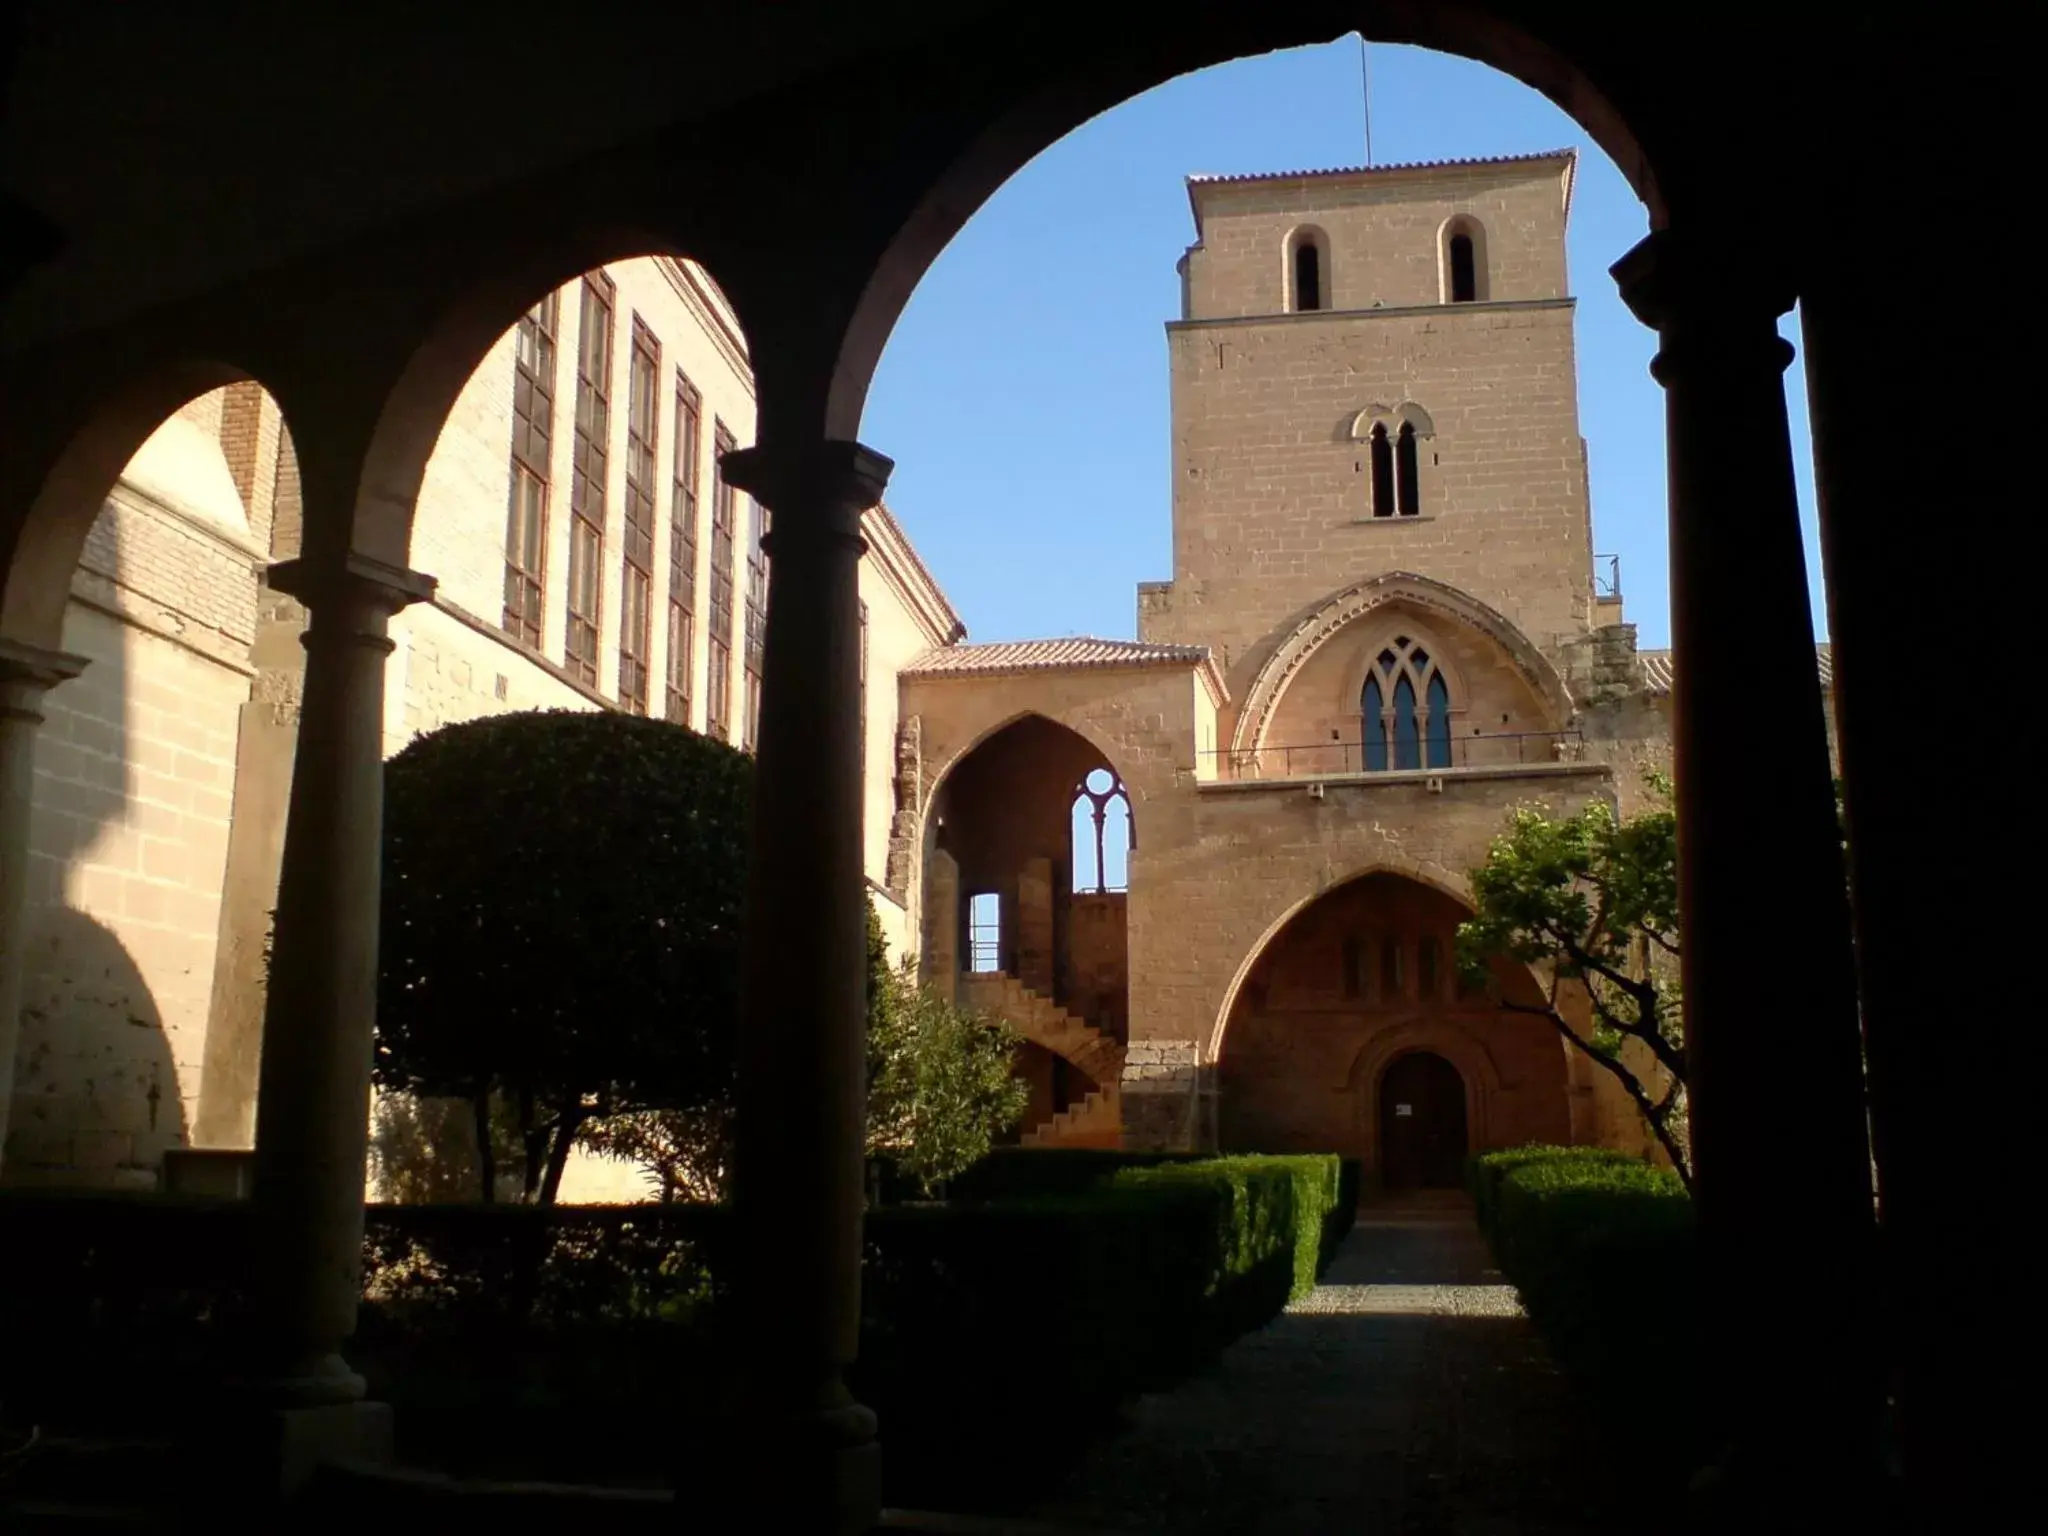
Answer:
(1407, 472)
(1464, 273)
(1102, 833)
(1382, 452)
(1308, 277)
(1462, 255)
(1405, 710)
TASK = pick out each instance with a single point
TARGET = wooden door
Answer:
(1422, 1123)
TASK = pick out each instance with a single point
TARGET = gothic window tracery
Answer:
(1405, 709)
(1103, 834)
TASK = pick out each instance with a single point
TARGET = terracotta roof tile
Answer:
(1657, 668)
(1406, 165)
(1075, 652)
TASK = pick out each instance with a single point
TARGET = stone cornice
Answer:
(1383, 312)
(907, 575)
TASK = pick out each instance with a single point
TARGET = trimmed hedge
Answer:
(1024, 1173)
(1602, 1248)
(1485, 1171)
(593, 1343)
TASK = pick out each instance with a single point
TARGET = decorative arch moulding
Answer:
(1338, 613)
(1407, 413)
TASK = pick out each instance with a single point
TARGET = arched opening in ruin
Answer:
(1014, 889)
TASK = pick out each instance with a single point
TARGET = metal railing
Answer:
(1324, 759)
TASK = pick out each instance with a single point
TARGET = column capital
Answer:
(362, 579)
(846, 476)
(1668, 279)
(33, 666)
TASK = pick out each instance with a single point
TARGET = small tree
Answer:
(940, 1090)
(940, 1084)
(1591, 900)
(560, 927)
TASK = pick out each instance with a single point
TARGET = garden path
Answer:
(1407, 1396)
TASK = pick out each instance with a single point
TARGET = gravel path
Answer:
(1407, 1396)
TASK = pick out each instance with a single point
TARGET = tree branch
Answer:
(1655, 1114)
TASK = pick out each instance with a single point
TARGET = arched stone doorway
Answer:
(1355, 1008)
(1423, 1134)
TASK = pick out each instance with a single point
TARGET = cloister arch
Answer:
(63, 495)
(1048, 80)
(1075, 86)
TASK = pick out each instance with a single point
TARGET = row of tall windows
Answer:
(718, 643)
(1423, 973)
(533, 402)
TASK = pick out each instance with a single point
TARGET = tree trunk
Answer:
(486, 1153)
(567, 1124)
(534, 1138)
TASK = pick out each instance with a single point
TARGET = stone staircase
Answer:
(1097, 1120)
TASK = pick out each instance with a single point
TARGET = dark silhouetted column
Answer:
(1772, 1038)
(810, 1461)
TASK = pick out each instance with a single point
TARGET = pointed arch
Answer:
(1344, 608)
(1435, 877)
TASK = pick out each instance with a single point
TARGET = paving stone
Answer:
(1408, 1394)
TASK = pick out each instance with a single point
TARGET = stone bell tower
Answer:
(1374, 372)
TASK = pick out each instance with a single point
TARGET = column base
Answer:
(258, 1457)
(818, 1473)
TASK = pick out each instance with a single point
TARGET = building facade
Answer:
(1211, 874)
(1382, 632)
(588, 555)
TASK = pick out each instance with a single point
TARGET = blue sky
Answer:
(1024, 392)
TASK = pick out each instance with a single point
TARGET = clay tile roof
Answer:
(1657, 668)
(1077, 651)
(1374, 170)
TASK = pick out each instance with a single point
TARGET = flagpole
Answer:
(1365, 91)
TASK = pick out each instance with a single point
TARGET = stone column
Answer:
(806, 1458)
(27, 672)
(1772, 1038)
(314, 1079)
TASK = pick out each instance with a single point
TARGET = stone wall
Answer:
(134, 772)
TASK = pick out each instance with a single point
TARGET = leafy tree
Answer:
(560, 925)
(1591, 900)
(940, 1085)
(940, 1090)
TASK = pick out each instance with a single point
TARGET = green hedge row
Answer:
(1602, 1248)
(1485, 1171)
(589, 1343)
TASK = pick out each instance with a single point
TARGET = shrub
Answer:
(591, 1343)
(1276, 1211)
(1603, 1252)
(1023, 1173)
(1485, 1170)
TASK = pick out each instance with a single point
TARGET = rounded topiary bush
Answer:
(561, 916)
